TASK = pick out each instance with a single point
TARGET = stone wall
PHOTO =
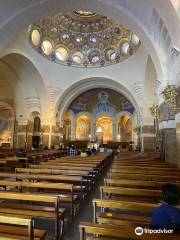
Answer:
(178, 144)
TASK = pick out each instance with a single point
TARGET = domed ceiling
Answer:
(82, 39)
(88, 101)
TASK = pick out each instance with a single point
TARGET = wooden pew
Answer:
(139, 194)
(135, 183)
(59, 167)
(130, 219)
(65, 192)
(33, 211)
(109, 232)
(144, 177)
(19, 227)
(148, 172)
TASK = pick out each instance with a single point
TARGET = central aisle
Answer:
(86, 213)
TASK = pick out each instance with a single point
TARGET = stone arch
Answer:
(27, 83)
(81, 86)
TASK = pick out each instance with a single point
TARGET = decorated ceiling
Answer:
(89, 101)
(82, 39)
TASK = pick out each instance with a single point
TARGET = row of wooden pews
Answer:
(130, 193)
(54, 189)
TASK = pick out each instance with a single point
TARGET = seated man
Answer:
(72, 151)
(83, 153)
(21, 153)
(167, 215)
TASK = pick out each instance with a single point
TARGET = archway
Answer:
(76, 89)
(104, 129)
(82, 128)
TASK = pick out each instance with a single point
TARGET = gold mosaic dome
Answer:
(82, 39)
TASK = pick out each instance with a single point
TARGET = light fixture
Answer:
(155, 111)
(170, 94)
(175, 51)
(99, 130)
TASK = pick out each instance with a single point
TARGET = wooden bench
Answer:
(65, 192)
(21, 209)
(144, 177)
(148, 172)
(19, 227)
(109, 232)
(132, 218)
(135, 183)
(149, 194)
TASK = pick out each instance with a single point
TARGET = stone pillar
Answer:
(45, 134)
(93, 131)
(148, 137)
(178, 139)
(114, 135)
(73, 129)
(22, 133)
(55, 135)
(168, 140)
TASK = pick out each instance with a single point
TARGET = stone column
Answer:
(148, 137)
(114, 135)
(22, 133)
(178, 139)
(168, 140)
(73, 129)
(93, 131)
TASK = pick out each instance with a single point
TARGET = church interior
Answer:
(89, 119)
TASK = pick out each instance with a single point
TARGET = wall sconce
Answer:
(118, 137)
(155, 111)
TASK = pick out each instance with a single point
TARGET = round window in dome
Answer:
(62, 54)
(35, 37)
(47, 47)
(111, 54)
(77, 57)
(94, 57)
(125, 48)
(134, 40)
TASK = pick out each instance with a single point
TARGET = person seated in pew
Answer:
(72, 151)
(21, 153)
(83, 153)
(167, 215)
(89, 152)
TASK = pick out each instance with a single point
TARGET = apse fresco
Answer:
(88, 100)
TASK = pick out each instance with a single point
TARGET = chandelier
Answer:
(82, 39)
(170, 94)
(155, 111)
